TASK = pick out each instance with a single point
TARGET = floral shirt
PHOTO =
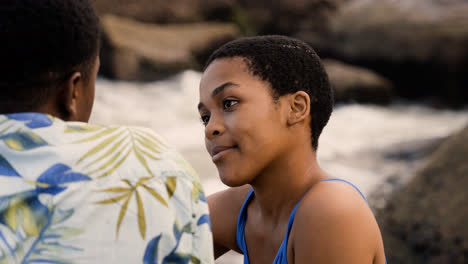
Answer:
(72, 192)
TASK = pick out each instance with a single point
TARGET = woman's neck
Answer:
(280, 186)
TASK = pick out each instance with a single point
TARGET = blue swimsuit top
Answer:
(281, 256)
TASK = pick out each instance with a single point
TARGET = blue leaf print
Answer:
(150, 256)
(151, 252)
(6, 169)
(33, 120)
(173, 257)
(204, 219)
(39, 260)
(27, 205)
(56, 175)
(177, 232)
(27, 220)
(202, 197)
(5, 242)
(23, 140)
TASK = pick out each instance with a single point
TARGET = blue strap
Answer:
(241, 221)
(341, 180)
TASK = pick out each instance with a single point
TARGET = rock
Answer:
(281, 16)
(287, 16)
(137, 51)
(174, 11)
(355, 84)
(420, 45)
(425, 221)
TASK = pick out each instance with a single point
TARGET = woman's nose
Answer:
(214, 127)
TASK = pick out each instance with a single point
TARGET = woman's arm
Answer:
(224, 210)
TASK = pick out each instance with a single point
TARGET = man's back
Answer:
(76, 193)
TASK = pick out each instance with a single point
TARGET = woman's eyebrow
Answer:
(218, 90)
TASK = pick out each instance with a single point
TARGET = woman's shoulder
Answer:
(334, 217)
(333, 198)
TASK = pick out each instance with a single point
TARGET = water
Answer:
(371, 146)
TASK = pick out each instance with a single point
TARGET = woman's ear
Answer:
(299, 107)
(68, 101)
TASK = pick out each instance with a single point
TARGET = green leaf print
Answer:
(171, 184)
(113, 145)
(82, 128)
(197, 192)
(125, 194)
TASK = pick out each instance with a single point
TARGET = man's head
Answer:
(49, 57)
(289, 65)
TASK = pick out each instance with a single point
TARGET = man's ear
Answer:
(69, 97)
(299, 107)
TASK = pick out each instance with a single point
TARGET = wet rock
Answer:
(355, 84)
(421, 45)
(425, 221)
(138, 51)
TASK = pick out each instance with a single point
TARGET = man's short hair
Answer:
(289, 65)
(42, 43)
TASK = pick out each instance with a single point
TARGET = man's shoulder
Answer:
(131, 145)
(90, 128)
(98, 151)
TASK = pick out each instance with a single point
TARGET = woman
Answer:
(264, 102)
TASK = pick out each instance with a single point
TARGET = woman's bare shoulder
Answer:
(225, 207)
(334, 218)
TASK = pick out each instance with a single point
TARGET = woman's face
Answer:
(245, 130)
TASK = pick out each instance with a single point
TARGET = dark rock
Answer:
(413, 150)
(355, 84)
(137, 51)
(420, 45)
(425, 221)
(174, 11)
(253, 17)
(288, 16)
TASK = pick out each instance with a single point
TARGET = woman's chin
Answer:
(232, 179)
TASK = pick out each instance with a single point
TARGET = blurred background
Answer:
(400, 72)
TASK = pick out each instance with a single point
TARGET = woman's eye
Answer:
(227, 104)
(205, 119)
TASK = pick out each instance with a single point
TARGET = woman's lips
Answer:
(218, 151)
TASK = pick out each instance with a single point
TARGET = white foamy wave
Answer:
(359, 139)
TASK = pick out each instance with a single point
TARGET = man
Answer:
(71, 192)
